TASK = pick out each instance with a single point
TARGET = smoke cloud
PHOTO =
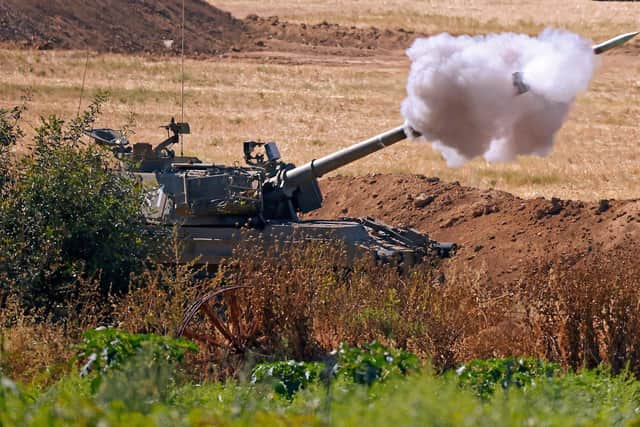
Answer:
(461, 94)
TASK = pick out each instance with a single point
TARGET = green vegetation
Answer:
(287, 377)
(374, 362)
(146, 390)
(67, 219)
(367, 365)
(484, 376)
(105, 349)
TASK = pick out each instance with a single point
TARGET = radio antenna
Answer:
(182, 82)
(84, 79)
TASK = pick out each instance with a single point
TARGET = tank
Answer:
(215, 206)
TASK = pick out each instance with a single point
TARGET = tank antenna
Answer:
(182, 82)
(84, 79)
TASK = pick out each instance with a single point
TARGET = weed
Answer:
(374, 362)
(287, 377)
(104, 349)
(483, 376)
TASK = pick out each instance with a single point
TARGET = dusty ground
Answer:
(592, 18)
(316, 86)
(155, 28)
(117, 26)
(501, 236)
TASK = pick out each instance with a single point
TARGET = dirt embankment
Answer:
(127, 26)
(501, 235)
(124, 26)
(154, 27)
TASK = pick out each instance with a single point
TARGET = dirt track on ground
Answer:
(500, 235)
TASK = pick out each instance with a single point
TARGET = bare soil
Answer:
(126, 26)
(501, 235)
(123, 26)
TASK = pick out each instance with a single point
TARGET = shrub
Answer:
(287, 377)
(104, 349)
(484, 375)
(374, 362)
(69, 217)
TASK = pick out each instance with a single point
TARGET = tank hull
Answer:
(360, 237)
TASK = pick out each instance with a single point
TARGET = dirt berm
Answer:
(117, 25)
(500, 235)
(134, 26)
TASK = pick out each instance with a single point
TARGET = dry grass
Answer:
(324, 103)
(562, 312)
(311, 110)
(38, 350)
(304, 304)
(594, 19)
(358, 304)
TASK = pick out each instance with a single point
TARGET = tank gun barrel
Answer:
(318, 167)
(295, 189)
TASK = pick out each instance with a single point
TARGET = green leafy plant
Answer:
(483, 376)
(140, 382)
(10, 133)
(366, 365)
(69, 218)
(374, 362)
(105, 349)
(287, 377)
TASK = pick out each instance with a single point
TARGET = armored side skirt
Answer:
(360, 237)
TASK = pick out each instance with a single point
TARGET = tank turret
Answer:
(295, 189)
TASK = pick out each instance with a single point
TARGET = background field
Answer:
(312, 105)
(594, 19)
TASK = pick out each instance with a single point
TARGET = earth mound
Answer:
(500, 235)
(278, 35)
(127, 26)
(123, 26)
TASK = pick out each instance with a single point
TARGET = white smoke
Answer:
(461, 95)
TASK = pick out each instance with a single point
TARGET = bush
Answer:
(287, 377)
(365, 365)
(374, 362)
(69, 218)
(103, 349)
(484, 375)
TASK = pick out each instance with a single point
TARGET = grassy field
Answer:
(576, 400)
(591, 18)
(317, 105)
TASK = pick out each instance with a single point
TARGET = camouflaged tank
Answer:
(216, 206)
